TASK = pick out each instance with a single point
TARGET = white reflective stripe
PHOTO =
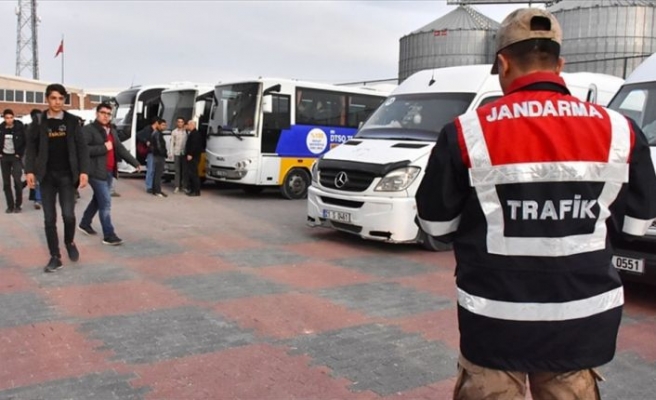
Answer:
(635, 226)
(620, 145)
(575, 171)
(435, 228)
(472, 132)
(541, 311)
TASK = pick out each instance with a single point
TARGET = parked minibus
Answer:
(636, 259)
(268, 132)
(367, 186)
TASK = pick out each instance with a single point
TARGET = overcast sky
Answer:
(112, 44)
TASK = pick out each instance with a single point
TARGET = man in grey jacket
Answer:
(105, 151)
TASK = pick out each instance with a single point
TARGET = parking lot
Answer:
(231, 296)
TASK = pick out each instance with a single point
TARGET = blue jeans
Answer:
(100, 203)
(37, 193)
(150, 171)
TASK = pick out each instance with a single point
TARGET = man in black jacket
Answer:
(105, 151)
(57, 155)
(12, 140)
(160, 154)
(193, 149)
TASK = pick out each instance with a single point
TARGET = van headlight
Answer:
(315, 171)
(243, 164)
(397, 180)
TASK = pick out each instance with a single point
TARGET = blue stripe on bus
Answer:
(311, 140)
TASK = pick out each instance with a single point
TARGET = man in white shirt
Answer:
(178, 141)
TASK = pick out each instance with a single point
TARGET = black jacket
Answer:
(36, 150)
(18, 130)
(95, 137)
(194, 146)
(158, 145)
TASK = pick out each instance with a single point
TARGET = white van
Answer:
(367, 185)
(637, 100)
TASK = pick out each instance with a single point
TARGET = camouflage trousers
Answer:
(480, 383)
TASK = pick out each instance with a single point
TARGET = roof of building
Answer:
(574, 4)
(34, 81)
(462, 18)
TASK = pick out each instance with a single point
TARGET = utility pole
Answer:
(27, 44)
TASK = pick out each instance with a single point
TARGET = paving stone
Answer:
(83, 275)
(628, 377)
(261, 258)
(103, 386)
(146, 247)
(385, 266)
(223, 286)
(165, 334)
(379, 358)
(23, 308)
(385, 299)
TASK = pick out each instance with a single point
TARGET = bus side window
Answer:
(360, 108)
(488, 100)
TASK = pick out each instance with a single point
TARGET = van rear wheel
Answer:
(429, 243)
(295, 185)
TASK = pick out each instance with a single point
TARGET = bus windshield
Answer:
(415, 116)
(177, 104)
(124, 111)
(234, 110)
(638, 102)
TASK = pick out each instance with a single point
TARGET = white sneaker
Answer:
(176, 190)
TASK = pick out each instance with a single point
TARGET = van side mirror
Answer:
(592, 94)
(140, 107)
(267, 104)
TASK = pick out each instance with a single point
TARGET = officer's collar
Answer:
(546, 80)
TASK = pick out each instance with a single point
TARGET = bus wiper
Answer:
(234, 133)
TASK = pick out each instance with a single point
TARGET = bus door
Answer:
(203, 111)
(277, 117)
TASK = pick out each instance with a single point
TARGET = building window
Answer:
(2, 95)
(106, 99)
(29, 97)
(68, 99)
(9, 96)
(19, 96)
(39, 97)
(94, 98)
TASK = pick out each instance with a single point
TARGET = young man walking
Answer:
(159, 152)
(193, 149)
(529, 202)
(12, 140)
(105, 151)
(144, 140)
(178, 141)
(57, 156)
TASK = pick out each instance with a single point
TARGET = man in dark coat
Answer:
(193, 149)
(12, 140)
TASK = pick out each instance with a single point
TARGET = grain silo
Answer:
(606, 36)
(462, 37)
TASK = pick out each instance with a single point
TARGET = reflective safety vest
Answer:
(530, 188)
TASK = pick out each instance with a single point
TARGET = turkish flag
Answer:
(60, 49)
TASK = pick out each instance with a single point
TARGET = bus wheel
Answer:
(252, 189)
(431, 244)
(295, 185)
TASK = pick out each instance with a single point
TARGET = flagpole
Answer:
(62, 67)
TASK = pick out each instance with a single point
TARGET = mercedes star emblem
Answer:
(341, 179)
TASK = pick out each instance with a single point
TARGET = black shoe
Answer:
(87, 229)
(53, 265)
(112, 241)
(115, 194)
(17, 210)
(149, 191)
(9, 210)
(73, 253)
(193, 194)
(161, 194)
(37, 205)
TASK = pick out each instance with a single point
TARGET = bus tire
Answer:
(252, 189)
(429, 243)
(296, 183)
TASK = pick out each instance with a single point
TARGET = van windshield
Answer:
(415, 116)
(638, 102)
(177, 104)
(124, 109)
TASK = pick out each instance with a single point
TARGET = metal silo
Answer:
(462, 37)
(606, 36)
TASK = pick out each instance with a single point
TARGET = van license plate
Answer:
(220, 173)
(337, 216)
(629, 264)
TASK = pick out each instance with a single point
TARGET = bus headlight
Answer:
(397, 180)
(315, 172)
(243, 164)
